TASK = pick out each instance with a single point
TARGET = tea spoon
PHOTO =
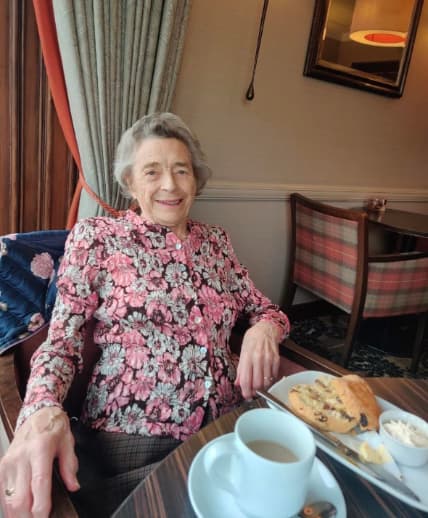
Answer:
(320, 509)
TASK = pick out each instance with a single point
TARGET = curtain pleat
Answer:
(51, 55)
(120, 61)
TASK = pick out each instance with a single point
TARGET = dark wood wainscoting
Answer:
(37, 172)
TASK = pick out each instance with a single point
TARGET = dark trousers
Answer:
(111, 465)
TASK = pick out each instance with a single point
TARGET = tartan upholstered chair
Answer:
(330, 258)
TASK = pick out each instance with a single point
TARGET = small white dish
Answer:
(406, 454)
(209, 501)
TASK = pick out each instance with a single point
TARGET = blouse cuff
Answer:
(282, 326)
(28, 410)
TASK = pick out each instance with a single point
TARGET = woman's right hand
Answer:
(26, 468)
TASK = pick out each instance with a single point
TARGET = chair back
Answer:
(330, 249)
(397, 285)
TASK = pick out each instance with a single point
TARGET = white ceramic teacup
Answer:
(260, 486)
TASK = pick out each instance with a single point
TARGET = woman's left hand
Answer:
(259, 359)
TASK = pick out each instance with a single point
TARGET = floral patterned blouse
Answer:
(164, 311)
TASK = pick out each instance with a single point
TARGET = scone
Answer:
(358, 399)
(336, 404)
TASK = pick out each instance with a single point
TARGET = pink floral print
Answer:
(42, 265)
(164, 310)
(36, 321)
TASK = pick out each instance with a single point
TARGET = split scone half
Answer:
(336, 404)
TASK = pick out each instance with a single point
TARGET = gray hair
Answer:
(161, 125)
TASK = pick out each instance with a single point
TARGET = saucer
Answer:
(209, 501)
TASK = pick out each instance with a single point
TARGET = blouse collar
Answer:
(144, 226)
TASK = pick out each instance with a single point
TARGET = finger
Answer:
(68, 464)
(42, 487)
(8, 512)
(272, 363)
(237, 381)
(41, 484)
(245, 377)
(259, 372)
(246, 387)
(275, 366)
(20, 501)
(7, 488)
(7, 477)
(268, 369)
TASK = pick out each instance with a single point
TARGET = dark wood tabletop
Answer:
(163, 494)
(400, 221)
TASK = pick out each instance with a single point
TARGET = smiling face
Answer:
(163, 182)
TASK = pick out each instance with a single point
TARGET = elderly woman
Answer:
(165, 292)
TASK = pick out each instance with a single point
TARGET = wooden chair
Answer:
(330, 258)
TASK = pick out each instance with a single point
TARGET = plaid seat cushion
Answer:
(326, 256)
(397, 288)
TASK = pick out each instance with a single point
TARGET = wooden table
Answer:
(164, 493)
(401, 222)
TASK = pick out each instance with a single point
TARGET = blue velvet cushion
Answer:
(28, 267)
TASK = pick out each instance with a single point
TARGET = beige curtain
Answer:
(120, 60)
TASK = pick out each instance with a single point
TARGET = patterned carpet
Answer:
(324, 335)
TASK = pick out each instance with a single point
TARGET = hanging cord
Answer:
(110, 210)
(250, 92)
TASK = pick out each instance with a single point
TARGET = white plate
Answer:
(415, 478)
(209, 501)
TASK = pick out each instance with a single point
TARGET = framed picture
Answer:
(364, 44)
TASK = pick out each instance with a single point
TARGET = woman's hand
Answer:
(26, 468)
(259, 359)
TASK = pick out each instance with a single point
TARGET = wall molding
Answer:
(248, 191)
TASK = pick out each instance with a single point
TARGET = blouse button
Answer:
(198, 320)
(208, 384)
(178, 246)
(203, 350)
